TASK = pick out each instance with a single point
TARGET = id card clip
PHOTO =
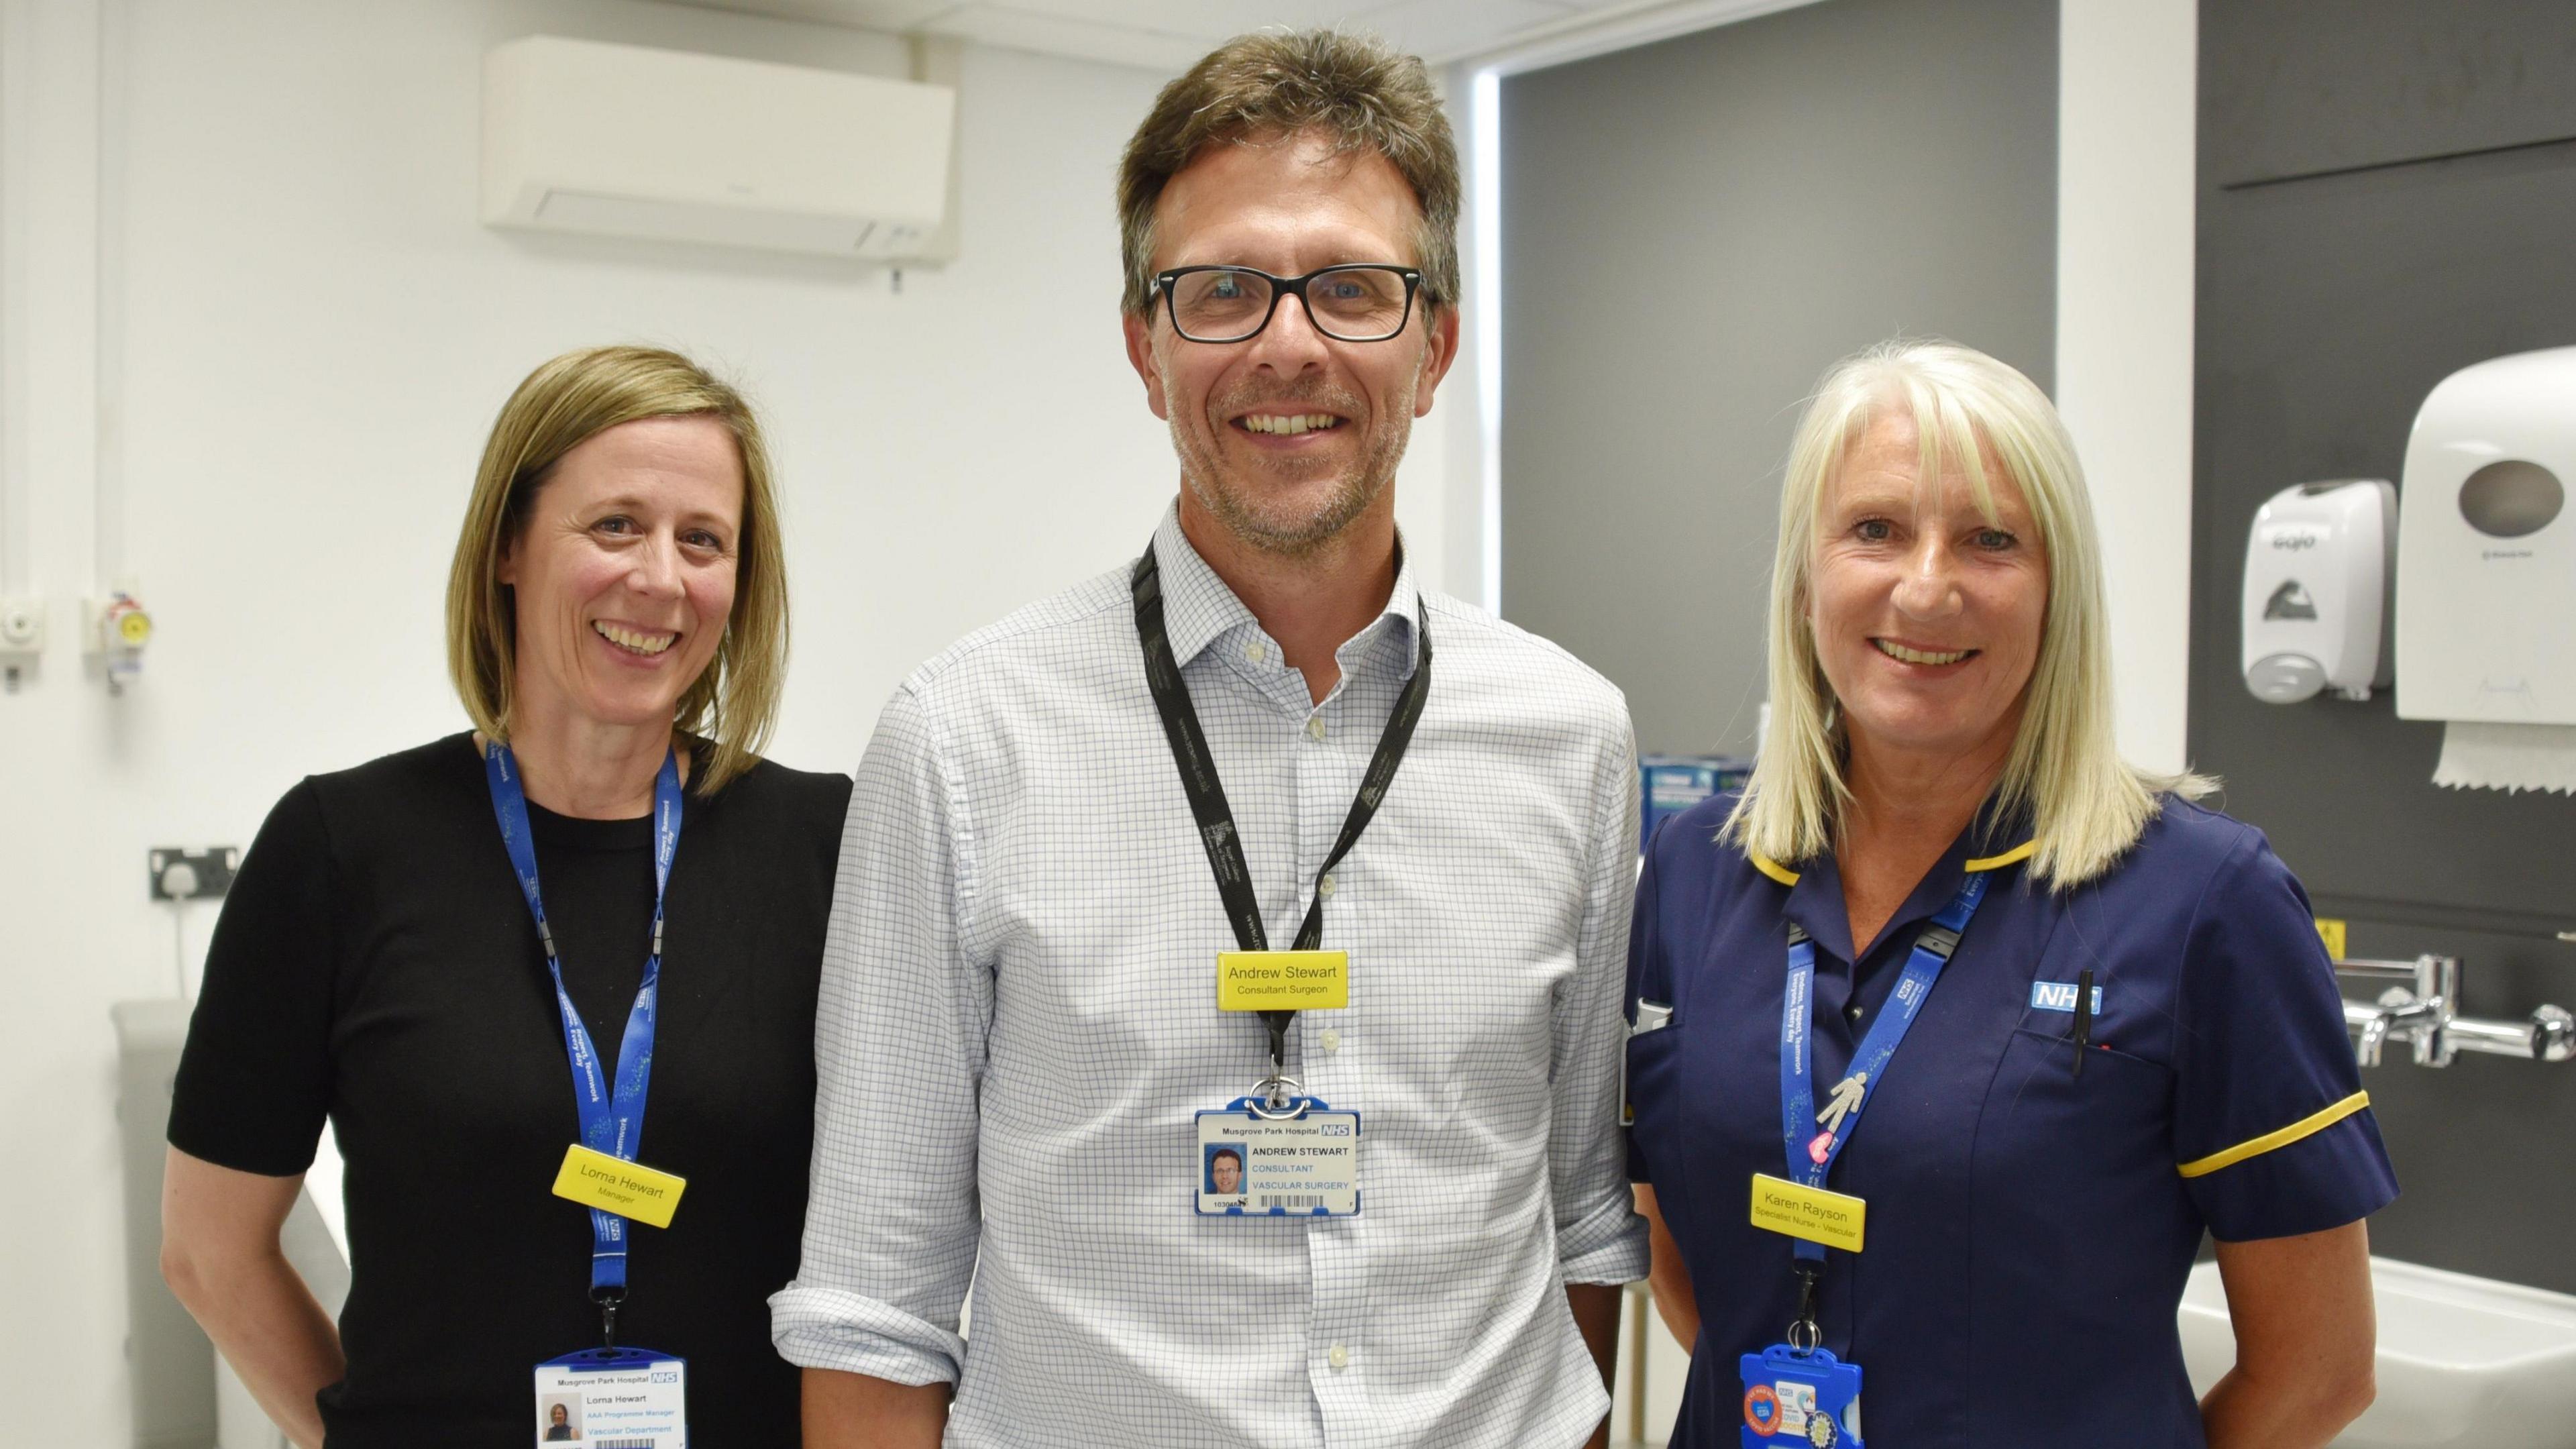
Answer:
(632, 1398)
(1796, 1397)
(1273, 1156)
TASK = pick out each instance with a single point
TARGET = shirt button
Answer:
(1315, 727)
(1331, 1041)
(1852, 1011)
(1324, 887)
(1253, 651)
(1339, 1357)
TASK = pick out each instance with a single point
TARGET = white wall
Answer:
(2128, 91)
(315, 335)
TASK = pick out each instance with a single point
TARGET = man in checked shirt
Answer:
(1063, 821)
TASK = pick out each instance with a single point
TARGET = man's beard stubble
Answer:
(1239, 509)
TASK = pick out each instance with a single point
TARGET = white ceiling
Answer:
(1170, 34)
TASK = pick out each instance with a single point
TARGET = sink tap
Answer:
(2419, 1021)
(2374, 1037)
(2424, 1013)
(2420, 1013)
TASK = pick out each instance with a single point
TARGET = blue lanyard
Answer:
(612, 1121)
(1812, 1152)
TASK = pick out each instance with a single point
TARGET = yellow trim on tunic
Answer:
(1788, 877)
(1998, 862)
(1772, 868)
(2304, 1127)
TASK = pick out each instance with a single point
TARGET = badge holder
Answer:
(1278, 1153)
(613, 1398)
(1798, 1392)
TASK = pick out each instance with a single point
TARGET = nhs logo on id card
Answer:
(2059, 996)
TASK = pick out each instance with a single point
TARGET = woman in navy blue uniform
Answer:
(2059, 1021)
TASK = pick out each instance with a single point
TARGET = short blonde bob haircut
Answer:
(733, 706)
(2086, 804)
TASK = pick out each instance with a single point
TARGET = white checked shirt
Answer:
(1018, 1023)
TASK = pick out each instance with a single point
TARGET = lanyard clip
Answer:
(1277, 1023)
(609, 1301)
(1805, 1334)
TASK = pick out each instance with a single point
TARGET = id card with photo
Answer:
(613, 1398)
(1306, 1164)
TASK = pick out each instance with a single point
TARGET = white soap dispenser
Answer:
(2317, 566)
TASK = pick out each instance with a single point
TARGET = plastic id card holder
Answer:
(1796, 1400)
(1300, 1161)
(613, 1398)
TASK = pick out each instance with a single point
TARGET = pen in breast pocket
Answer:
(2083, 1018)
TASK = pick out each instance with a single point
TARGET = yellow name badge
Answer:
(597, 1180)
(1831, 1218)
(1283, 980)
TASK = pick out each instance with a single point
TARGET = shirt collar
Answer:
(1992, 841)
(1198, 608)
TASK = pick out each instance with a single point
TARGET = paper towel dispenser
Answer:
(2486, 554)
(2316, 590)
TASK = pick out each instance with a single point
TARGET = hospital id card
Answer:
(1305, 1164)
(1796, 1397)
(613, 1398)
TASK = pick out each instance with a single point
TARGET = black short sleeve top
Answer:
(375, 966)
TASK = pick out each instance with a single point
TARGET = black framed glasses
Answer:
(1357, 302)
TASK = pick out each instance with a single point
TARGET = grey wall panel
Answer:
(2361, 82)
(1692, 231)
(2328, 307)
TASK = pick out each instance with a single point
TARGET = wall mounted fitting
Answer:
(22, 638)
(181, 874)
(2317, 565)
(119, 629)
(2487, 566)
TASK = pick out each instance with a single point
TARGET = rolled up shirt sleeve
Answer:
(892, 1224)
(2273, 1134)
(1599, 1236)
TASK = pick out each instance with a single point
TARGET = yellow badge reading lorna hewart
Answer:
(597, 1180)
(1831, 1218)
(1283, 980)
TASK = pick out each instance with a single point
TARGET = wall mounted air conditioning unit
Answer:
(621, 140)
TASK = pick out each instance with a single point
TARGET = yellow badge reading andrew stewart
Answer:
(1831, 1218)
(597, 1180)
(1283, 980)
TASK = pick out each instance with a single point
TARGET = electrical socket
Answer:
(180, 874)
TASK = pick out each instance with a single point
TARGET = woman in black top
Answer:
(617, 600)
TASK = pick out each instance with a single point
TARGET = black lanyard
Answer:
(1207, 794)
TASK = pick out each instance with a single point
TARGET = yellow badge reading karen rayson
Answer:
(1831, 1218)
(1283, 980)
(597, 1180)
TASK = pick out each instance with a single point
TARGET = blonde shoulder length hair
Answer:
(2086, 804)
(733, 706)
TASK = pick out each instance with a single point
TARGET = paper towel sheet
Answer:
(2507, 757)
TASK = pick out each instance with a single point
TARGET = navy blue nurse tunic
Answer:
(2029, 1228)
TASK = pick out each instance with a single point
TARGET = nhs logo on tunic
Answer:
(2059, 996)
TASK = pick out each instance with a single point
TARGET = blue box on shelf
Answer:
(1671, 784)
